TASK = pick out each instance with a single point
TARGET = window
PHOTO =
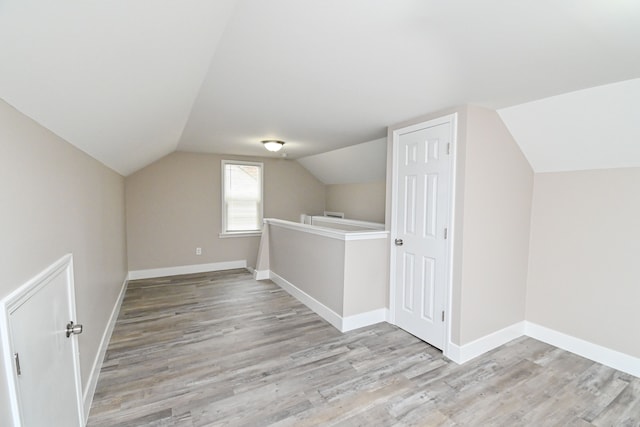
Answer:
(241, 197)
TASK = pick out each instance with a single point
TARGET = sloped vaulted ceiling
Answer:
(131, 81)
(594, 128)
(115, 78)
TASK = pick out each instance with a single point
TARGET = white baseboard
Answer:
(343, 324)
(606, 356)
(186, 269)
(361, 320)
(466, 352)
(261, 274)
(322, 310)
(90, 386)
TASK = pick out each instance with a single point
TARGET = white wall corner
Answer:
(261, 274)
(186, 269)
(361, 320)
(606, 356)
(453, 352)
(466, 352)
(92, 382)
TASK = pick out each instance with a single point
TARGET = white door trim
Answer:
(395, 135)
(64, 266)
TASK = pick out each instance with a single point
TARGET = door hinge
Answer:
(446, 233)
(16, 357)
(449, 148)
(443, 315)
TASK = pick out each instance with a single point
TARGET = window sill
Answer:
(240, 234)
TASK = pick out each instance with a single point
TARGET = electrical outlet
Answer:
(198, 251)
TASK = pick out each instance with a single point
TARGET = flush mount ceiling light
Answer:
(273, 144)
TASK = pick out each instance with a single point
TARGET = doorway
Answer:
(421, 228)
(41, 349)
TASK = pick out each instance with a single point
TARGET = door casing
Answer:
(448, 291)
(62, 267)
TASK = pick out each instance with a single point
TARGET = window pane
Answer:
(242, 215)
(243, 182)
(242, 197)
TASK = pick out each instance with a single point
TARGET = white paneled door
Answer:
(44, 350)
(421, 228)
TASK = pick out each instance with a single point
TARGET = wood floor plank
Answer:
(221, 349)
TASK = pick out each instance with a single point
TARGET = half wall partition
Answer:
(340, 274)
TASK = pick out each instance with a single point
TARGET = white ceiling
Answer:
(115, 78)
(366, 162)
(602, 124)
(129, 82)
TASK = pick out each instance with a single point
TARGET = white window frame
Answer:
(247, 233)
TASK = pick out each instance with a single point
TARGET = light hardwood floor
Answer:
(221, 349)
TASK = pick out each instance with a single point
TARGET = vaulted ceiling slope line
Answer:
(325, 75)
(131, 82)
(115, 79)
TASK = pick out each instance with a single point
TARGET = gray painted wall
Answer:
(366, 287)
(498, 186)
(314, 264)
(174, 206)
(363, 201)
(494, 185)
(58, 200)
(584, 266)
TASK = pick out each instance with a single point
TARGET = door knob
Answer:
(399, 242)
(72, 328)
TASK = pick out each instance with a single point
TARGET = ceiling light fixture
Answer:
(273, 144)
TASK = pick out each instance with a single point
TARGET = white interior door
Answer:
(45, 361)
(420, 224)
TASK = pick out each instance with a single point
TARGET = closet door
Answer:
(422, 183)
